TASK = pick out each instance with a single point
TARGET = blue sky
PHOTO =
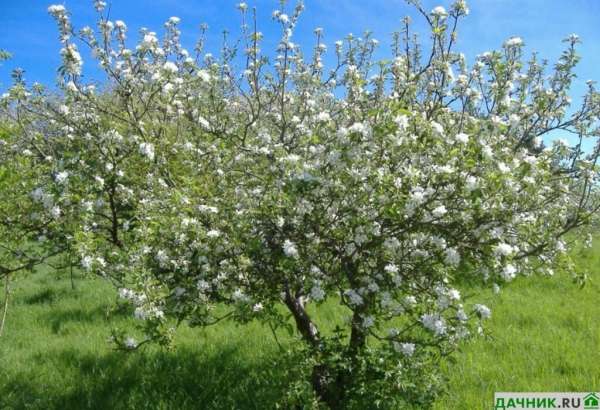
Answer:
(29, 33)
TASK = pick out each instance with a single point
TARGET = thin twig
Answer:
(275, 337)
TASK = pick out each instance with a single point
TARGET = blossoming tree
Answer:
(273, 191)
(23, 230)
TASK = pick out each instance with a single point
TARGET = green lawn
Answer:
(54, 353)
(545, 337)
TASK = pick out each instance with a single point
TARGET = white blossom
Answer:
(452, 257)
(439, 211)
(55, 212)
(391, 268)
(462, 138)
(62, 177)
(290, 250)
(170, 67)
(323, 117)
(509, 272)
(407, 349)
(483, 311)
(213, 233)
(130, 343)
(317, 294)
(514, 42)
(503, 249)
(86, 262)
(147, 150)
(439, 11)
(354, 299)
(56, 9)
(435, 323)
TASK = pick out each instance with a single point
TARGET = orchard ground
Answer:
(54, 353)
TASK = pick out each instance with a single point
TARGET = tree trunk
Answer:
(321, 376)
(304, 324)
(6, 295)
(358, 338)
(327, 388)
(71, 272)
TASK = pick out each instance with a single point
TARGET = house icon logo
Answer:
(591, 402)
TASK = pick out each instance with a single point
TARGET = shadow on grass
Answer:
(182, 379)
(45, 296)
(57, 319)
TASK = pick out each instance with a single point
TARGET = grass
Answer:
(54, 353)
(545, 337)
